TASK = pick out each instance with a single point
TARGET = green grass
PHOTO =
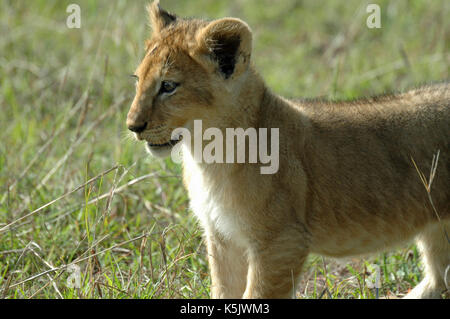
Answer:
(64, 96)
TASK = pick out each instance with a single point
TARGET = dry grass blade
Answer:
(427, 185)
(34, 212)
(94, 200)
(78, 142)
(47, 144)
(80, 260)
(49, 265)
(122, 188)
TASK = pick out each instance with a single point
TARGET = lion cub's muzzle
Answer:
(159, 138)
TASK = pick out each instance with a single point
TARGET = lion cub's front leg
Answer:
(228, 264)
(275, 266)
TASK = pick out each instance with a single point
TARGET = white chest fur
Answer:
(211, 203)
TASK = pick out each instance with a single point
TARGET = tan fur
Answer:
(346, 183)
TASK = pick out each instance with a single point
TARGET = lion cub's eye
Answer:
(168, 87)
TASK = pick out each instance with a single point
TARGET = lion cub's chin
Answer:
(159, 151)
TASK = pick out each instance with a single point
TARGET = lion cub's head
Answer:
(191, 70)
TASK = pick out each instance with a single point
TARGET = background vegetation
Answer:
(75, 188)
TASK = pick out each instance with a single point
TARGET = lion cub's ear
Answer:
(225, 45)
(159, 18)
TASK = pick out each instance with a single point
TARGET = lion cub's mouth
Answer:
(171, 143)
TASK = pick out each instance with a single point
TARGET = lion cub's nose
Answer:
(137, 128)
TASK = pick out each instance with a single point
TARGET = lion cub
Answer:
(346, 183)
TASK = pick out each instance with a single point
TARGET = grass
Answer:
(123, 217)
